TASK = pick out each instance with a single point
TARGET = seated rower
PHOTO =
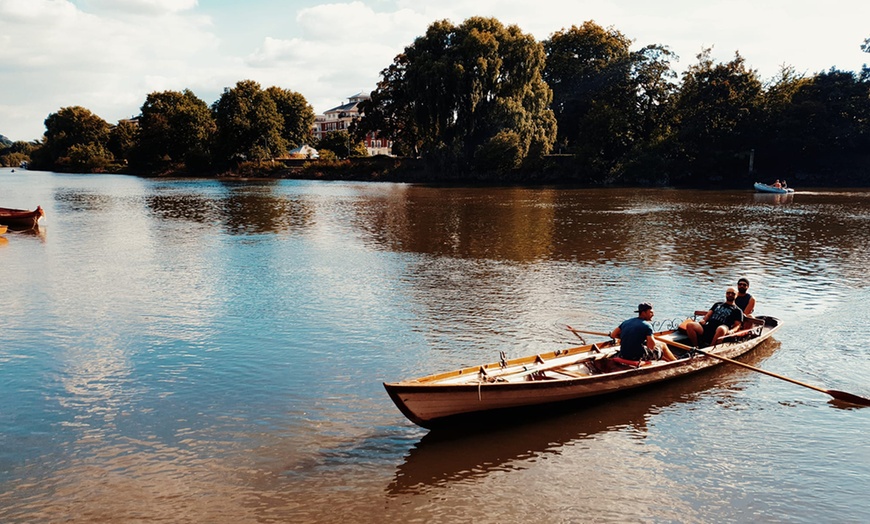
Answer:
(744, 300)
(636, 340)
(722, 319)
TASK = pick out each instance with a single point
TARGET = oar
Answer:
(839, 395)
(559, 365)
(578, 331)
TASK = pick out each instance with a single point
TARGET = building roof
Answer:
(351, 104)
(344, 107)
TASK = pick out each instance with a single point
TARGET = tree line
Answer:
(484, 101)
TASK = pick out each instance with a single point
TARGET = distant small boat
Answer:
(21, 218)
(764, 188)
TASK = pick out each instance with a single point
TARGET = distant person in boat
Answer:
(777, 184)
(784, 184)
(636, 337)
(744, 300)
(723, 319)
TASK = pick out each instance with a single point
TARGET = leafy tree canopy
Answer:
(715, 109)
(174, 127)
(75, 140)
(296, 113)
(343, 144)
(457, 87)
(249, 126)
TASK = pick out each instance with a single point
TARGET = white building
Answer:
(339, 119)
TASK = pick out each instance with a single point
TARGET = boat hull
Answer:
(21, 218)
(764, 188)
(430, 402)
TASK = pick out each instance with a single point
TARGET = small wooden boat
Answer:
(764, 188)
(21, 218)
(565, 375)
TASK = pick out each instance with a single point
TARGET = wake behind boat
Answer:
(765, 188)
(565, 375)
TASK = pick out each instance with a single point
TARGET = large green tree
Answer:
(780, 135)
(588, 68)
(297, 116)
(249, 126)
(717, 110)
(391, 111)
(175, 129)
(826, 126)
(458, 91)
(611, 103)
(75, 140)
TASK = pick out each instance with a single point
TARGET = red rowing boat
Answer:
(21, 218)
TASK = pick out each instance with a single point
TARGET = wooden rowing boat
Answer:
(565, 375)
(764, 188)
(21, 218)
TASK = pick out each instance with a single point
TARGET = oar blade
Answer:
(848, 397)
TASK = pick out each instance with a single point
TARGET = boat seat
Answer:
(614, 364)
(631, 363)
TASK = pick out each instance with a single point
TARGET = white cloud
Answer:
(54, 55)
(107, 55)
(147, 7)
(340, 51)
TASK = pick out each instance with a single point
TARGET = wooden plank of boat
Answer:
(21, 218)
(547, 379)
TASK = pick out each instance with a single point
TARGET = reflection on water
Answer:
(774, 198)
(470, 453)
(198, 350)
(748, 230)
(240, 209)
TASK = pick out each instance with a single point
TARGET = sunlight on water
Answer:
(189, 350)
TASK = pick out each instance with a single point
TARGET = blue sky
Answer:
(107, 55)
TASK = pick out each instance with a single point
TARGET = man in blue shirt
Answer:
(636, 340)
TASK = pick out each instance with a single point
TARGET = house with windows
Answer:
(339, 119)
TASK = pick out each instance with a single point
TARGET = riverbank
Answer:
(553, 170)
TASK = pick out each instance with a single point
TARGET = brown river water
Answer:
(207, 351)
